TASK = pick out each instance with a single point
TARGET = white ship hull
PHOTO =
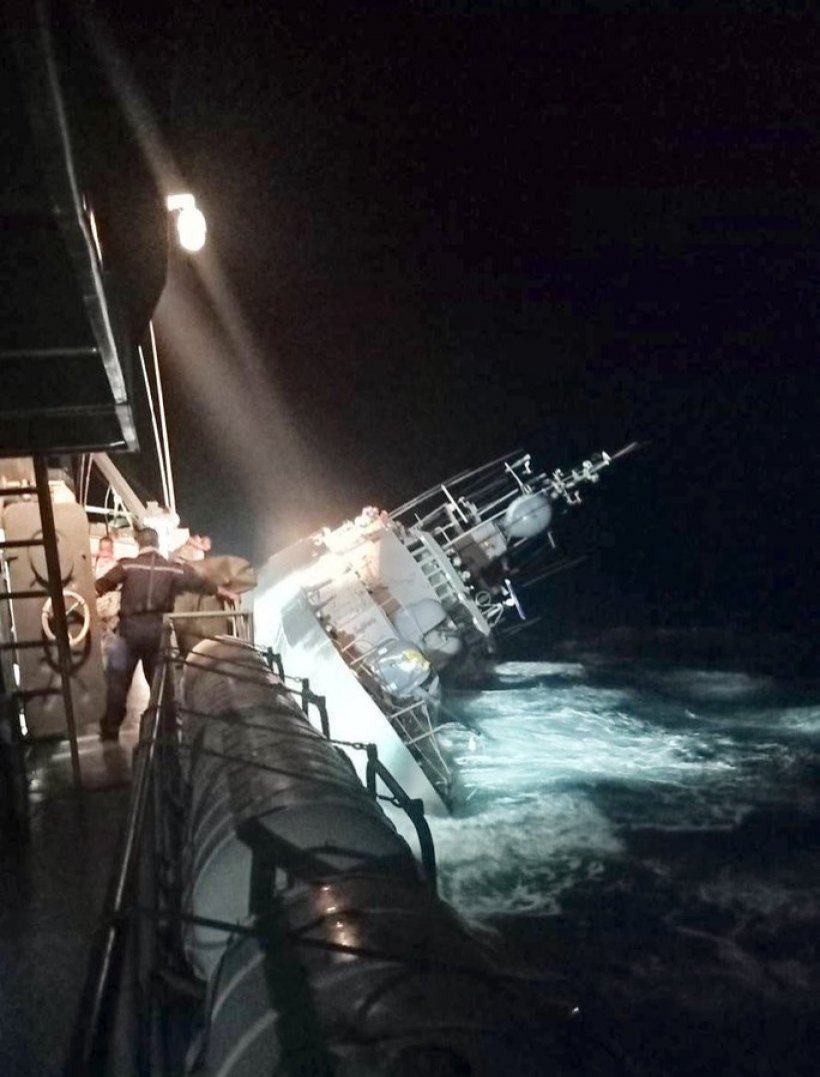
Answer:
(285, 621)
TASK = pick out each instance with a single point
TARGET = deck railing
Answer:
(139, 990)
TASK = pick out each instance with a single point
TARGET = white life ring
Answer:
(73, 603)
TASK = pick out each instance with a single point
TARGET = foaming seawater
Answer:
(804, 720)
(749, 895)
(708, 685)
(655, 834)
(520, 856)
(518, 671)
(557, 770)
(536, 737)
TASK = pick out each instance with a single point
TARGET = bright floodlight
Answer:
(191, 226)
(192, 229)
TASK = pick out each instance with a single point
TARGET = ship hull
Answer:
(285, 621)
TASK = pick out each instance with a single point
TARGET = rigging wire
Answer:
(157, 441)
(86, 488)
(161, 405)
(81, 468)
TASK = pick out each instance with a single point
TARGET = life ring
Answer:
(73, 603)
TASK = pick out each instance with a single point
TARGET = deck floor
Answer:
(52, 891)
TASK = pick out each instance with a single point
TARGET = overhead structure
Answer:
(84, 241)
(82, 260)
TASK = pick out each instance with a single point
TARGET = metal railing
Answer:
(412, 806)
(241, 620)
(90, 1047)
(123, 1015)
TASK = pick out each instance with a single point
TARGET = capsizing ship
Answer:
(375, 612)
(261, 913)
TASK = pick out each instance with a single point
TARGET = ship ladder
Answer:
(434, 573)
(53, 593)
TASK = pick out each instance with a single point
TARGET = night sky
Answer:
(439, 235)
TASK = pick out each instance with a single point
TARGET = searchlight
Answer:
(192, 228)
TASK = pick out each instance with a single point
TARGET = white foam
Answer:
(521, 856)
(708, 685)
(562, 770)
(799, 719)
(530, 670)
(538, 736)
(752, 895)
(756, 721)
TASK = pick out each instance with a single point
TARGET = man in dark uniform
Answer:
(150, 584)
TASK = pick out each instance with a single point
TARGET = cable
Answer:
(149, 394)
(160, 400)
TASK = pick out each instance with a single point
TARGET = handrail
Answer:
(412, 806)
(273, 660)
(306, 697)
(89, 1048)
(233, 615)
(92, 1044)
(274, 663)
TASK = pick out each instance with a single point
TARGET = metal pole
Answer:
(157, 442)
(55, 583)
(321, 706)
(413, 806)
(87, 1051)
(161, 402)
(370, 772)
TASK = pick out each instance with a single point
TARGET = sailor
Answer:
(108, 605)
(104, 559)
(195, 548)
(150, 584)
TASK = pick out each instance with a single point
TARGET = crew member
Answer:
(108, 605)
(150, 583)
(195, 548)
(104, 559)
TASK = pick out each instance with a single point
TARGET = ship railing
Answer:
(300, 690)
(371, 650)
(138, 977)
(472, 497)
(414, 808)
(514, 460)
(102, 1011)
(421, 711)
(241, 621)
(393, 713)
(418, 709)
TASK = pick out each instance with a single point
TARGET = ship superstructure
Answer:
(372, 612)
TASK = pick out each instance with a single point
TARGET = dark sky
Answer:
(443, 235)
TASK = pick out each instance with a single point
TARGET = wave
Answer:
(706, 685)
(534, 737)
(520, 856)
(527, 671)
(561, 777)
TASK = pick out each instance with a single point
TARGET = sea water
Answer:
(653, 831)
